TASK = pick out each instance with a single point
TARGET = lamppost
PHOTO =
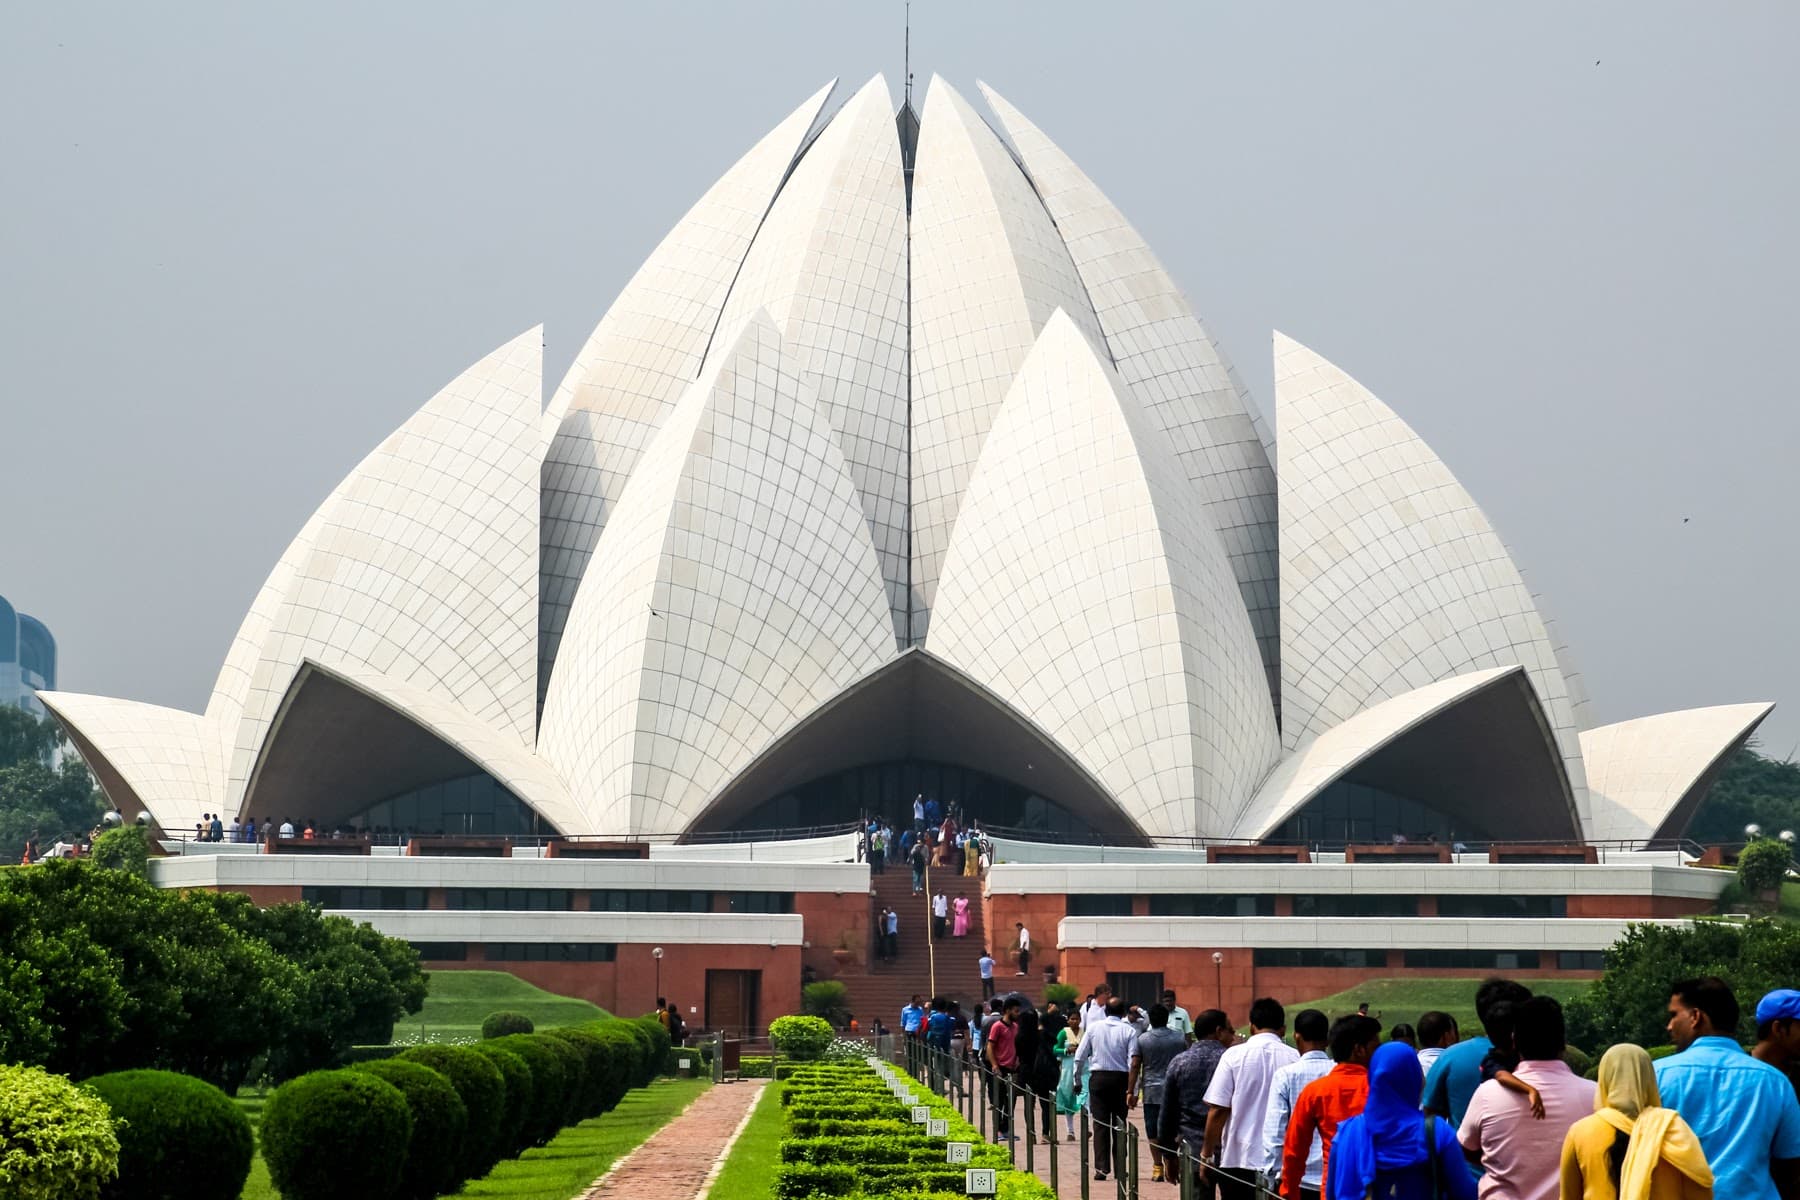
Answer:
(1219, 977)
(1752, 831)
(657, 955)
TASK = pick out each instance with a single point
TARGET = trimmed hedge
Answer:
(625, 1050)
(439, 1120)
(482, 1089)
(180, 1138)
(331, 1134)
(505, 1024)
(511, 1132)
(56, 1141)
(660, 1044)
(549, 1080)
(599, 1068)
(801, 1038)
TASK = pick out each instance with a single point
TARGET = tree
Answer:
(1762, 865)
(1630, 1002)
(1751, 790)
(24, 737)
(126, 848)
(39, 800)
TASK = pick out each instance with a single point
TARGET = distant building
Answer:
(27, 659)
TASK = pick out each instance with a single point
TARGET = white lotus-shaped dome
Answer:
(902, 444)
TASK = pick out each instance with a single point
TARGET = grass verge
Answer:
(1402, 1000)
(749, 1170)
(460, 1000)
(579, 1154)
(257, 1186)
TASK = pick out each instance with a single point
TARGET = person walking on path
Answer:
(1631, 1148)
(1239, 1100)
(893, 935)
(1392, 1150)
(1000, 1039)
(1190, 1073)
(1094, 1011)
(1106, 1052)
(1157, 1047)
(940, 916)
(1069, 1096)
(912, 1018)
(1024, 948)
(959, 923)
(1743, 1111)
(1179, 1020)
(985, 964)
(1457, 1072)
(1311, 1036)
(1521, 1153)
(1328, 1101)
(916, 859)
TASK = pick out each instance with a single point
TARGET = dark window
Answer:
(644, 900)
(551, 951)
(1473, 960)
(442, 951)
(470, 805)
(761, 902)
(1581, 960)
(364, 897)
(1503, 906)
(509, 899)
(1142, 988)
(1350, 904)
(1321, 958)
(1099, 905)
(1212, 905)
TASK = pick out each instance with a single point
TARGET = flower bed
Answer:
(847, 1135)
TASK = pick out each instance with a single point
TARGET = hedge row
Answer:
(847, 1136)
(415, 1126)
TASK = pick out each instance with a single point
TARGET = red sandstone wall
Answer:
(1040, 913)
(1637, 906)
(831, 919)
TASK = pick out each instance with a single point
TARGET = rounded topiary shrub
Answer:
(332, 1134)
(56, 1141)
(660, 1044)
(644, 1069)
(511, 1134)
(439, 1122)
(482, 1089)
(505, 1024)
(180, 1138)
(596, 1069)
(548, 1081)
(625, 1051)
(574, 1064)
(802, 1038)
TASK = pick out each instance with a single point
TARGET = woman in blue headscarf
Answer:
(1391, 1150)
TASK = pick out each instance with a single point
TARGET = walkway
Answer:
(673, 1164)
(1068, 1164)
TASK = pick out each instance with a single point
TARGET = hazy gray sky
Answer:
(241, 243)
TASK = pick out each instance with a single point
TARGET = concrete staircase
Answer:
(883, 988)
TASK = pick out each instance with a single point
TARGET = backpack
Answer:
(1429, 1127)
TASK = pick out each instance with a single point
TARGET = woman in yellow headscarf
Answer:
(1632, 1148)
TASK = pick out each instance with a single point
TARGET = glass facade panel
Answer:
(551, 951)
(364, 897)
(509, 899)
(761, 902)
(1581, 960)
(442, 951)
(1100, 905)
(1473, 960)
(645, 900)
(1142, 988)
(473, 805)
(1350, 904)
(888, 789)
(1212, 905)
(1503, 906)
(1321, 958)
(1355, 812)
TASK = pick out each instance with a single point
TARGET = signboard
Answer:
(921, 1114)
(957, 1152)
(937, 1127)
(980, 1181)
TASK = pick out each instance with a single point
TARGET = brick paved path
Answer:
(677, 1162)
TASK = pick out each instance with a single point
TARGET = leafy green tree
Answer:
(1763, 864)
(1630, 1002)
(39, 801)
(25, 737)
(1751, 790)
(126, 848)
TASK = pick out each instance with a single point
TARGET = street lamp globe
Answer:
(1786, 835)
(1753, 830)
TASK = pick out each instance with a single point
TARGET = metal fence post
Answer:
(1012, 1139)
(1086, 1130)
(1128, 1190)
(1050, 1135)
(1030, 1133)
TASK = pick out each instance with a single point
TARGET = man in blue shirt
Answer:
(912, 1017)
(1457, 1072)
(1743, 1111)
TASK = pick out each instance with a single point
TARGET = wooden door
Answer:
(731, 1001)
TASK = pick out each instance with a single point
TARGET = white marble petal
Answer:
(741, 591)
(988, 269)
(1173, 366)
(1391, 576)
(1647, 776)
(146, 757)
(645, 352)
(1085, 587)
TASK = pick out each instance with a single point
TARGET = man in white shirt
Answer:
(1311, 1030)
(1437, 1033)
(1239, 1096)
(287, 829)
(940, 915)
(1106, 1051)
(1024, 948)
(1094, 1011)
(919, 813)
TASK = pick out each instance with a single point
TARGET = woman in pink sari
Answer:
(959, 908)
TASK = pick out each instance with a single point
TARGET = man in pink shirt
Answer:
(1521, 1155)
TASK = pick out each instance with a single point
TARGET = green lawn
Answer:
(459, 1000)
(1402, 1000)
(749, 1171)
(578, 1155)
(559, 1171)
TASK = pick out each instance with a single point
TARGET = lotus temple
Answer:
(901, 467)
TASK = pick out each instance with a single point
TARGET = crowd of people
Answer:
(1341, 1112)
(941, 837)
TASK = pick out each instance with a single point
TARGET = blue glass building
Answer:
(27, 659)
